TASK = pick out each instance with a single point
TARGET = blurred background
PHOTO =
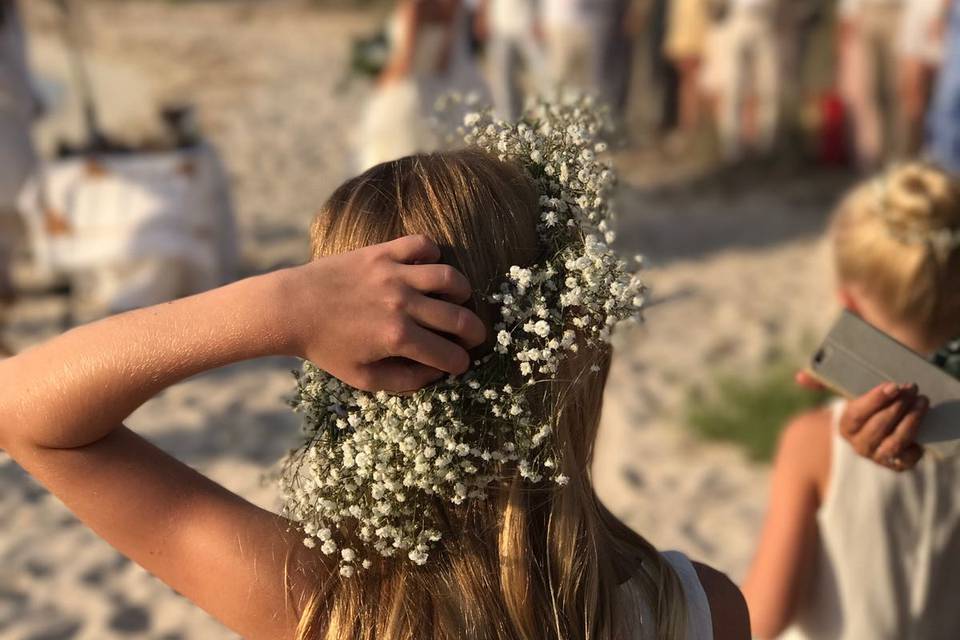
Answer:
(154, 149)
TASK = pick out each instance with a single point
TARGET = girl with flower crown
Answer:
(463, 508)
(851, 548)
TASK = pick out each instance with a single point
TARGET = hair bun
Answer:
(920, 199)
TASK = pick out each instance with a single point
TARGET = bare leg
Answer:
(914, 82)
(689, 94)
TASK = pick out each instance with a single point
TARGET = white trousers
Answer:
(747, 66)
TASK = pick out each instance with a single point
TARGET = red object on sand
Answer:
(832, 131)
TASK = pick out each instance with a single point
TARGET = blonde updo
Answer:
(897, 236)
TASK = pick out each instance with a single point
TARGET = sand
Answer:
(736, 266)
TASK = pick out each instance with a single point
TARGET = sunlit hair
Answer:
(898, 237)
(537, 561)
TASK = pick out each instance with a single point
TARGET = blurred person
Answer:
(531, 553)
(944, 118)
(688, 28)
(744, 76)
(615, 35)
(920, 51)
(430, 58)
(515, 37)
(663, 72)
(851, 549)
(18, 108)
(868, 31)
(796, 23)
(571, 28)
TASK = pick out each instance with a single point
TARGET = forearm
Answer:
(78, 387)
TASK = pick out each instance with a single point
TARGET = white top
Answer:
(567, 13)
(751, 5)
(887, 565)
(512, 18)
(699, 619)
(848, 8)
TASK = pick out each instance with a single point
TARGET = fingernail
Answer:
(909, 388)
(891, 389)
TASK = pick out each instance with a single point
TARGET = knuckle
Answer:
(396, 335)
(461, 322)
(446, 276)
(420, 242)
(396, 303)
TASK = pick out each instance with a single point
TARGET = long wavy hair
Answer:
(537, 561)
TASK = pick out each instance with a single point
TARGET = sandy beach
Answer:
(736, 271)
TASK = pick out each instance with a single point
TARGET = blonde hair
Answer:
(898, 237)
(536, 561)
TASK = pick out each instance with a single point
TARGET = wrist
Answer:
(295, 297)
(275, 298)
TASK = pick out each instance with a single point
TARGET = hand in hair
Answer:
(377, 317)
(881, 424)
(63, 403)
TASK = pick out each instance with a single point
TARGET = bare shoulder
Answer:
(813, 426)
(805, 447)
(728, 608)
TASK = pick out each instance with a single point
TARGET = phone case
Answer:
(855, 357)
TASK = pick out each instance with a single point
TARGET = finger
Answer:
(451, 319)
(426, 347)
(882, 425)
(909, 457)
(398, 375)
(905, 431)
(413, 249)
(806, 380)
(860, 410)
(441, 279)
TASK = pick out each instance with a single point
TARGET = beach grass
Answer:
(751, 411)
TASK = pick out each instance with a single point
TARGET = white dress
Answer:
(887, 564)
(401, 117)
(915, 40)
(699, 619)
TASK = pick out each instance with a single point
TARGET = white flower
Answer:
(375, 462)
(418, 557)
(346, 571)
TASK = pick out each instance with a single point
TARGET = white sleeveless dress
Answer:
(699, 619)
(399, 117)
(888, 562)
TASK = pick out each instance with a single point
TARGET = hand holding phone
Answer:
(856, 358)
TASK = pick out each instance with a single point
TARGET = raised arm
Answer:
(62, 405)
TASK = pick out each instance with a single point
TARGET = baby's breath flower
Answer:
(375, 463)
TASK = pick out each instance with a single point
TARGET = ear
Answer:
(848, 300)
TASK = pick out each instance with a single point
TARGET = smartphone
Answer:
(855, 357)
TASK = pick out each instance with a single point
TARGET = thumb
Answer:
(804, 379)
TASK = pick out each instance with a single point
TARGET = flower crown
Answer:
(374, 465)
